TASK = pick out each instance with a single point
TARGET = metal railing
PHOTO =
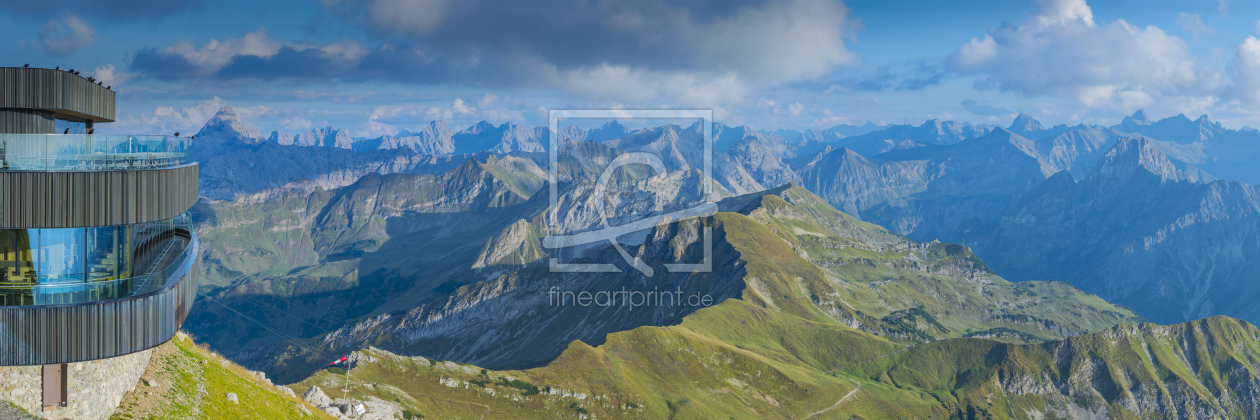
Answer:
(91, 152)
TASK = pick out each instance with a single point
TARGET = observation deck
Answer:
(97, 251)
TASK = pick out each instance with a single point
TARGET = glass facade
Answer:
(52, 256)
(96, 259)
(58, 261)
(61, 126)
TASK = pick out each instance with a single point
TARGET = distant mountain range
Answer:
(980, 186)
(862, 262)
(811, 307)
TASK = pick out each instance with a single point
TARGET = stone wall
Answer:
(95, 388)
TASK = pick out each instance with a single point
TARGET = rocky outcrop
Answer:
(1137, 231)
(434, 139)
(349, 409)
(321, 137)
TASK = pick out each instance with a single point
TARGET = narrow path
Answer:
(837, 404)
(483, 415)
(859, 384)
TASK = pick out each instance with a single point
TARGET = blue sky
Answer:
(377, 66)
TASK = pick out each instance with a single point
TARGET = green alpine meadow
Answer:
(822, 315)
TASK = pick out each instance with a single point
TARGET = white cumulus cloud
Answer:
(1193, 24)
(1061, 50)
(409, 16)
(796, 109)
(215, 54)
(109, 76)
(169, 120)
(1247, 68)
(67, 36)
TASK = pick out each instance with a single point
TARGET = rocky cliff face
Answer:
(807, 302)
(249, 169)
(751, 165)
(1025, 124)
(235, 160)
(505, 138)
(1221, 152)
(932, 132)
(797, 232)
(1136, 230)
(853, 183)
(331, 255)
(932, 191)
(1202, 369)
(320, 137)
(434, 139)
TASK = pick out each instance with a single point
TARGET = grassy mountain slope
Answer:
(1200, 369)
(305, 260)
(857, 272)
(186, 381)
(815, 325)
(811, 262)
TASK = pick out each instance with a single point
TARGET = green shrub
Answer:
(526, 387)
(336, 370)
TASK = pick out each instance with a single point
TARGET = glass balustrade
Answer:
(80, 265)
(88, 152)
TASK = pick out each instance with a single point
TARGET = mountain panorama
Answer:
(910, 271)
(629, 209)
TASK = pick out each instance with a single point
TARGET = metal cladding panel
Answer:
(53, 334)
(55, 90)
(26, 121)
(87, 199)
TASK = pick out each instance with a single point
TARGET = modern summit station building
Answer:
(96, 248)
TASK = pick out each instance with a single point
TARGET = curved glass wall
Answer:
(89, 152)
(47, 262)
(69, 127)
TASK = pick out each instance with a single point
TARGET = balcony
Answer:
(74, 322)
(92, 152)
(102, 263)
